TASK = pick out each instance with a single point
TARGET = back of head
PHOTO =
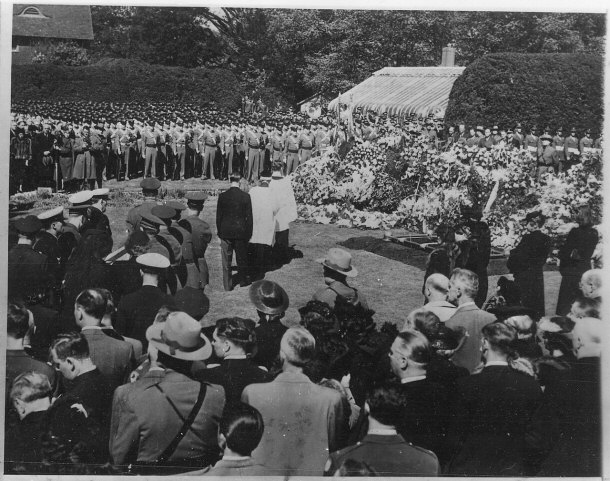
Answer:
(18, 317)
(242, 426)
(239, 331)
(467, 280)
(438, 284)
(385, 404)
(426, 322)
(501, 337)
(584, 217)
(415, 346)
(30, 386)
(71, 345)
(591, 283)
(298, 346)
(590, 307)
(587, 337)
(92, 302)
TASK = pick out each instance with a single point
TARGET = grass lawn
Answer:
(392, 288)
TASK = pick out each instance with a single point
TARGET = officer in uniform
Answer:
(291, 149)
(227, 147)
(210, 143)
(28, 270)
(263, 148)
(496, 137)
(307, 142)
(165, 238)
(150, 189)
(71, 232)
(180, 141)
(161, 145)
(187, 272)
(200, 232)
(277, 145)
(150, 143)
(558, 143)
(95, 216)
(548, 157)
(586, 143)
(46, 243)
(517, 137)
(531, 144)
(571, 149)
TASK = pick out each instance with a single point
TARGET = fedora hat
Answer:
(340, 261)
(269, 297)
(180, 337)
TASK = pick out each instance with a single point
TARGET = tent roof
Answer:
(403, 90)
(55, 21)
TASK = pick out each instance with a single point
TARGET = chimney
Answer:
(448, 59)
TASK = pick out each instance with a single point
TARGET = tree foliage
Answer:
(536, 89)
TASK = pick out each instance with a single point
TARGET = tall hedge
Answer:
(534, 89)
(126, 81)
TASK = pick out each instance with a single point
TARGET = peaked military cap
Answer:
(150, 183)
(163, 212)
(52, 215)
(196, 197)
(154, 260)
(177, 206)
(100, 193)
(80, 199)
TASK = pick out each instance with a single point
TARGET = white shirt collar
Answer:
(471, 303)
(439, 304)
(412, 379)
(383, 431)
(91, 327)
(234, 458)
(496, 363)
(235, 356)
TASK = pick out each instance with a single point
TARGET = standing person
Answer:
(42, 153)
(287, 213)
(443, 259)
(84, 164)
(150, 144)
(307, 142)
(265, 206)
(384, 450)
(150, 190)
(585, 145)
(436, 288)
(95, 215)
(98, 154)
(558, 143)
(179, 144)
(526, 262)
(166, 422)
(468, 319)
(137, 310)
(571, 149)
(201, 235)
(575, 258)
(21, 158)
(293, 443)
(114, 358)
(494, 410)
(547, 158)
(234, 227)
(252, 143)
(65, 146)
(337, 268)
(517, 139)
(477, 249)
(48, 245)
(211, 140)
(228, 149)
(291, 150)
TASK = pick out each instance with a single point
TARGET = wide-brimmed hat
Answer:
(269, 297)
(180, 337)
(340, 261)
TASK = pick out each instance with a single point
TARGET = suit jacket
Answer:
(234, 375)
(144, 422)
(233, 467)
(94, 392)
(28, 271)
(137, 311)
(471, 319)
(115, 359)
(494, 409)
(234, 215)
(303, 423)
(388, 455)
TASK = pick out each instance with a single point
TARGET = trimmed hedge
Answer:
(534, 89)
(114, 80)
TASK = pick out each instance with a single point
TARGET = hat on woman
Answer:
(340, 261)
(180, 337)
(269, 297)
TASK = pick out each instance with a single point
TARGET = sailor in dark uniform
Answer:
(150, 189)
(95, 217)
(47, 243)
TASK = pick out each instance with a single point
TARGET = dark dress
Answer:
(526, 262)
(478, 253)
(268, 337)
(493, 412)
(573, 264)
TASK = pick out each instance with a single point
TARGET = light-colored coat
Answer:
(304, 423)
(264, 209)
(282, 189)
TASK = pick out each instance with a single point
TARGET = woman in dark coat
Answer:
(526, 262)
(444, 258)
(575, 259)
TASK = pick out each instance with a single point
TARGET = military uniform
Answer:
(586, 143)
(291, 150)
(228, 143)
(201, 235)
(180, 140)
(150, 143)
(558, 143)
(210, 143)
(306, 143)
(253, 143)
(571, 150)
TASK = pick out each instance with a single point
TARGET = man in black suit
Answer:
(137, 310)
(28, 270)
(234, 224)
(423, 419)
(233, 342)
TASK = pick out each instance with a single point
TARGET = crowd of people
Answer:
(109, 370)
(76, 145)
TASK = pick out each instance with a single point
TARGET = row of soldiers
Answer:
(88, 153)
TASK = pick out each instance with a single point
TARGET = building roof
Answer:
(403, 90)
(54, 21)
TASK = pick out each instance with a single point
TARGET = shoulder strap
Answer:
(188, 422)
